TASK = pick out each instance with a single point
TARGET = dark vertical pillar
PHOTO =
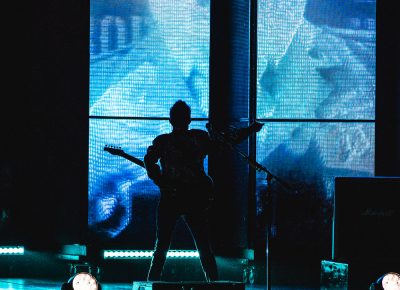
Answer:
(229, 106)
(54, 211)
(387, 159)
(252, 118)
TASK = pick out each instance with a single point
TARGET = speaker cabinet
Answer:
(367, 219)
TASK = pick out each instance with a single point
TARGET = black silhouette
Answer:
(186, 190)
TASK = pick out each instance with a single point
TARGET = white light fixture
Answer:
(138, 254)
(389, 281)
(12, 250)
(182, 254)
(82, 281)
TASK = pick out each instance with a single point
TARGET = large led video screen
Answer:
(316, 59)
(144, 56)
(316, 94)
(122, 199)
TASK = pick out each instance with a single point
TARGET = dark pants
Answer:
(170, 209)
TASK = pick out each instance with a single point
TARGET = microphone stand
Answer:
(257, 166)
(268, 200)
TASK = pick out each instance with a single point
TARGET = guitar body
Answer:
(195, 195)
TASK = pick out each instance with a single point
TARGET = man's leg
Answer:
(166, 219)
(198, 224)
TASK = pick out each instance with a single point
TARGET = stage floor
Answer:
(37, 284)
(43, 270)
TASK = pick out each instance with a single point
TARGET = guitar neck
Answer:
(133, 159)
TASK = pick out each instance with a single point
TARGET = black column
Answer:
(54, 209)
(387, 91)
(229, 106)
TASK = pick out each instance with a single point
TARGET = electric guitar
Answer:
(114, 150)
(206, 185)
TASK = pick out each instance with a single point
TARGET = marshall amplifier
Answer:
(367, 219)
(217, 285)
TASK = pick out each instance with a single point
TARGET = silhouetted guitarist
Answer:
(185, 187)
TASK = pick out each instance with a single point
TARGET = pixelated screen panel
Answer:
(116, 185)
(307, 156)
(316, 59)
(305, 152)
(145, 55)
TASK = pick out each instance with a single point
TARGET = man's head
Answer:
(179, 115)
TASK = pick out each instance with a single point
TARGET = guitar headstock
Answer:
(115, 150)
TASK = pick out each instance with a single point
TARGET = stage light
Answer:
(127, 254)
(182, 254)
(12, 250)
(138, 254)
(82, 281)
(388, 281)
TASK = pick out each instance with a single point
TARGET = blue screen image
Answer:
(118, 186)
(315, 94)
(144, 56)
(316, 59)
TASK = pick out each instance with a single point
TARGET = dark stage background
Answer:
(47, 188)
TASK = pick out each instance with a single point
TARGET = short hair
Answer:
(179, 114)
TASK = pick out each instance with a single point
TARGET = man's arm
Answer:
(236, 136)
(150, 161)
(233, 135)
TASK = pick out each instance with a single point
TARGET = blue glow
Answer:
(144, 55)
(310, 151)
(316, 59)
(116, 185)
